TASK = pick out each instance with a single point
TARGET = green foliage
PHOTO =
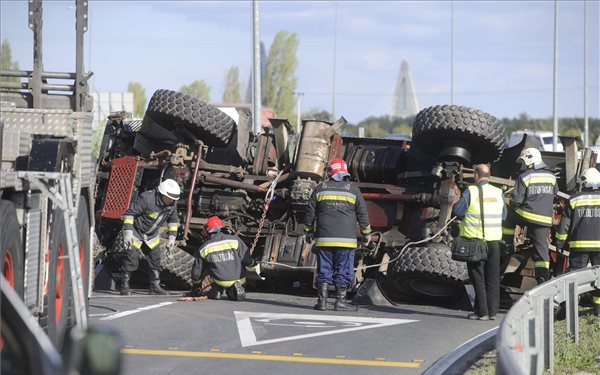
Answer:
(139, 98)
(231, 94)
(570, 358)
(198, 89)
(378, 127)
(97, 135)
(280, 77)
(316, 114)
(7, 62)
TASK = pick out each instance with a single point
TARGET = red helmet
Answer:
(338, 166)
(213, 224)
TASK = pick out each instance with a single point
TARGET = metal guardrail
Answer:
(458, 361)
(525, 340)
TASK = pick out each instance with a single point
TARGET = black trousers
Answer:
(485, 277)
(538, 236)
(580, 259)
(128, 260)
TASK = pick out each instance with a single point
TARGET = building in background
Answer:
(404, 103)
(107, 102)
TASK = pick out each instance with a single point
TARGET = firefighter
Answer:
(580, 227)
(484, 275)
(532, 205)
(140, 234)
(224, 258)
(336, 205)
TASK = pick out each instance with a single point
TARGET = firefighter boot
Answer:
(340, 298)
(214, 292)
(322, 291)
(155, 287)
(124, 284)
(597, 309)
(236, 292)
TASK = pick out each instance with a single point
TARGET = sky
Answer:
(502, 57)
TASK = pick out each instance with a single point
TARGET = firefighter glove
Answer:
(309, 238)
(365, 239)
(127, 239)
(170, 243)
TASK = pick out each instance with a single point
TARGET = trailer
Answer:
(47, 184)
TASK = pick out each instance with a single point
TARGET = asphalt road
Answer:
(280, 333)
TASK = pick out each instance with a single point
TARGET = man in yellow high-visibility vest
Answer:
(484, 275)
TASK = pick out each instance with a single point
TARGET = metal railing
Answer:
(525, 340)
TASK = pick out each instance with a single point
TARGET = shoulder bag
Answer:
(471, 249)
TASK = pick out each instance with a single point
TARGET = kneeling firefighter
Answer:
(225, 258)
(140, 234)
(336, 205)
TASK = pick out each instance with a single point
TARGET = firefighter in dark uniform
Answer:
(336, 205)
(225, 258)
(580, 227)
(532, 205)
(141, 225)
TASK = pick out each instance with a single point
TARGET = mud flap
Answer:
(369, 293)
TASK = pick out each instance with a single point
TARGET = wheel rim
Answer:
(8, 270)
(60, 283)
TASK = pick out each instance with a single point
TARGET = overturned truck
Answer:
(260, 186)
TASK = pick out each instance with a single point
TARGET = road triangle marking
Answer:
(326, 325)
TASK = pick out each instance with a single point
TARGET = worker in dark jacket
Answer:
(580, 227)
(532, 205)
(140, 234)
(335, 205)
(224, 258)
(484, 275)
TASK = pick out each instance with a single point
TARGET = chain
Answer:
(268, 198)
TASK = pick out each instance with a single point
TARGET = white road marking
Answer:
(130, 312)
(348, 324)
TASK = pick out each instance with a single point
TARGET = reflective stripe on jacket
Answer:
(580, 222)
(146, 215)
(336, 206)
(493, 206)
(533, 196)
(224, 257)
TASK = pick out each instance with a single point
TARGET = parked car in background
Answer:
(535, 138)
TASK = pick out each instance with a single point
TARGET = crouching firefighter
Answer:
(580, 227)
(140, 234)
(224, 257)
(336, 205)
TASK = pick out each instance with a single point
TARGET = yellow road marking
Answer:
(260, 357)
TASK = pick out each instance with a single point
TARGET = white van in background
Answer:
(535, 138)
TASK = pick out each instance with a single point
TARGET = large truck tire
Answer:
(177, 269)
(57, 306)
(85, 251)
(426, 274)
(483, 134)
(11, 253)
(208, 123)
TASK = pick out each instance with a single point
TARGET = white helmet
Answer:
(169, 188)
(590, 178)
(530, 156)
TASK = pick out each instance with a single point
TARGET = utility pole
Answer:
(334, 61)
(586, 126)
(452, 52)
(257, 95)
(298, 120)
(554, 81)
